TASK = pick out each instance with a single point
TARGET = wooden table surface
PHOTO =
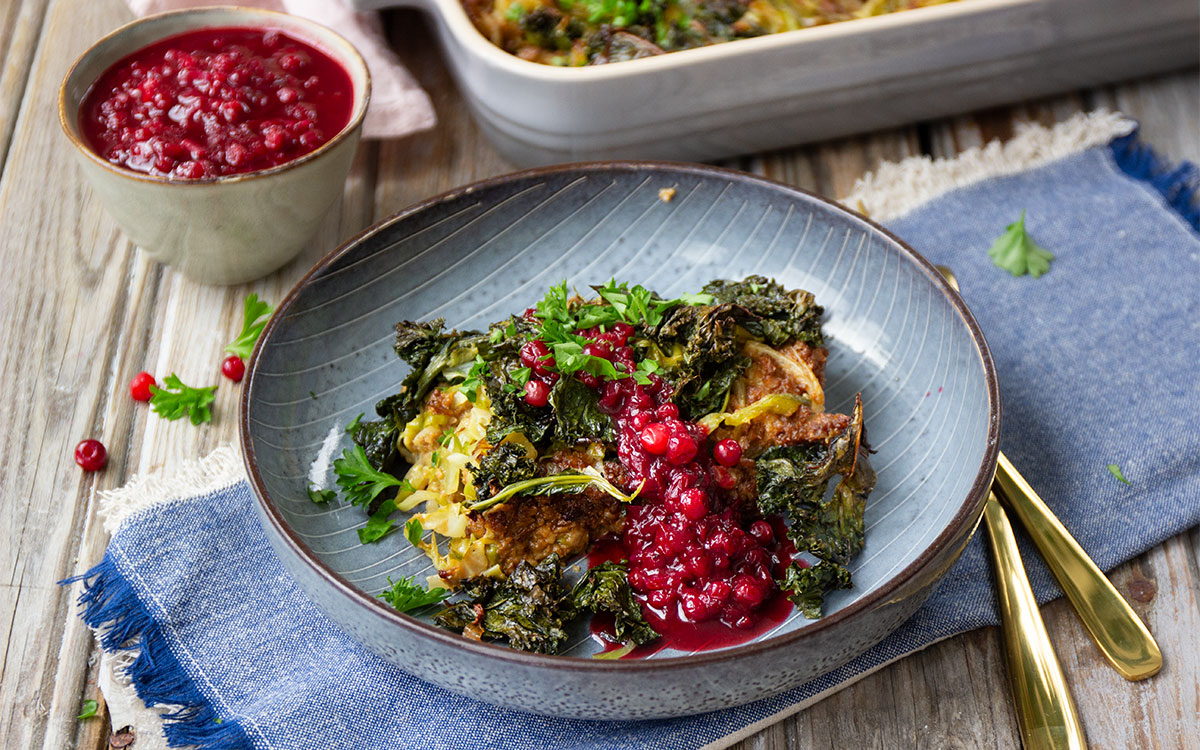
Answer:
(81, 311)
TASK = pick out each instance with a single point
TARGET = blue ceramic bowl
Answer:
(898, 334)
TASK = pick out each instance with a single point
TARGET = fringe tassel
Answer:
(1179, 185)
(113, 610)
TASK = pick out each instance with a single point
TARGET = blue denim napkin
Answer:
(1097, 366)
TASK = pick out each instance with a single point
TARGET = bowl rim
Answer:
(965, 519)
(352, 56)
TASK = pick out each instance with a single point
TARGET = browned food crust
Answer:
(765, 377)
(531, 528)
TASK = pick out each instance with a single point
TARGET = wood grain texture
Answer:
(82, 311)
(20, 29)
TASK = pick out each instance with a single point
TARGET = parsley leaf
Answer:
(350, 428)
(89, 709)
(405, 595)
(1016, 253)
(361, 483)
(474, 379)
(318, 495)
(1116, 472)
(254, 320)
(414, 531)
(379, 524)
(175, 400)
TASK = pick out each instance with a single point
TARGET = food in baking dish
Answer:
(594, 32)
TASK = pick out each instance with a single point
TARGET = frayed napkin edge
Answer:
(190, 479)
(125, 626)
(896, 188)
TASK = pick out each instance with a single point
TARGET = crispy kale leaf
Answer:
(434, 356)
(807, 587)
(605, 588)
(512, 413)
(702, 354)
(577, 416)
(378, 439)
(794, 479)
(781, 314)
(528, 608)
(501, 466)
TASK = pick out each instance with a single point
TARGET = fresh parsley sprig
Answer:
(254, 319)
(89, 709)
(1017, 253)
(319, 495)
(620, 303)
(175, 400)
(405, 595)
(413, 530)
(361, 483)
(380, 524)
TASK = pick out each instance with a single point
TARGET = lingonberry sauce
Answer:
(704, 579)
(216, 102)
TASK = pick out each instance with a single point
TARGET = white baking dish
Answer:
(773, 91)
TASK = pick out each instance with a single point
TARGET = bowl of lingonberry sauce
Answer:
(219, 137)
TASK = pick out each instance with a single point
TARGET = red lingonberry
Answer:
(727, 452)
(654, 438)
(91, 455)
(233, 368)
(139, 387)
(537, 393)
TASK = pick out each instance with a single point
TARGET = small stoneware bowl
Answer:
(897, 333)
(228, 229)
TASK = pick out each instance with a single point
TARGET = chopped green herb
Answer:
(175, 400)
(414, 531)
(350, 428)
(405, 595)
(434, 459)
(379, 524)
(318, 495)
(1116, 472)
(474, 379)
(520, 375)
(361, 483)
(446, 437)
(1017, 253)
(254, 319)
(89, 709)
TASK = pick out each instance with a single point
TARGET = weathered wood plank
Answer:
(64, 301)
(20, 29)
(454, 152)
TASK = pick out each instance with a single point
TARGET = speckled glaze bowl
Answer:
(897, 334)
(221, 230)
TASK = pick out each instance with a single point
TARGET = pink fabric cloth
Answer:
(398, 105)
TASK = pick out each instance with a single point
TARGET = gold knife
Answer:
(1046, 713)
(1108, 618)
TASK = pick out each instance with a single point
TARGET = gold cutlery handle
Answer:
(1045, 711)
(1112, 623)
